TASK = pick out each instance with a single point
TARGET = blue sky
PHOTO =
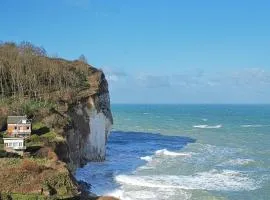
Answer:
(156, 51)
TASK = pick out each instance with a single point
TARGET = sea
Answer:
(182, 152)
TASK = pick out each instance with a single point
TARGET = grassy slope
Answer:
(40, 170)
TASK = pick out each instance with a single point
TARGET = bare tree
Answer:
(82, 58)
(26, 71)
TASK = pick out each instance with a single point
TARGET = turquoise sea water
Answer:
(185, 152)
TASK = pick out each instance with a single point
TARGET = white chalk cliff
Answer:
(91, 122)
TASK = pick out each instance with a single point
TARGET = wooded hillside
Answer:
(26, 71)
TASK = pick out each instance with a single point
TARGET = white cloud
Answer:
(114, 75)
(153, 81)
(249, 77)
(249, 85)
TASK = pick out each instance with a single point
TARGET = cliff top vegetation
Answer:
(32, 83)
(27, 71)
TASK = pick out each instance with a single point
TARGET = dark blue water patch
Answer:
(124, 150)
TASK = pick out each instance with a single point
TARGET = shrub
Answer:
(37, 125)
(34, 138)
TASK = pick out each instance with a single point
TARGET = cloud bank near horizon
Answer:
(248, 85)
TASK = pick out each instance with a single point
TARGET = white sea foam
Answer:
(147, 158)
(118, 193)
(207, 126)
(204, 119)
(170, 153)
(253, 125)
(142, 194)
(213, 150)
(226, 180)
(238, 161)
(145, 167)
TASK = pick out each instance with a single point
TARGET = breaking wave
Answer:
(147, 158)
(170, 153)
(214, 180)
(253, 125)
(207, 126)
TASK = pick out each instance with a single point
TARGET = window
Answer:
(28, 127)
(15, 127)
(6, 144)
(10, 144)
(20, 144)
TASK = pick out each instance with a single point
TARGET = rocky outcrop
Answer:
(91, 121)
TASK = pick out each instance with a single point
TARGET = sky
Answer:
(156, 51)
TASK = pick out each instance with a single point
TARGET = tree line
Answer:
(26, 71)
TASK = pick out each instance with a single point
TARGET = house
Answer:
(14, 145)
(18, 126)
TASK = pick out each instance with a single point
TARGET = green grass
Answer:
(51, 137)
(22, 197)
(37, 125)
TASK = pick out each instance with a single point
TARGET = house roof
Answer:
(17, 119)
(13, 138)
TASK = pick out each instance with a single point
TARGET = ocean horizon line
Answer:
(174, 104)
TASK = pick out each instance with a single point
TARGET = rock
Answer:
(89, 127)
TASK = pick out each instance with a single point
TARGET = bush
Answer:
(45, 139)
(49, 137)
(37, 125)
(34, 138)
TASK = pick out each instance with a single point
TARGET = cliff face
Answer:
(91, 121)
